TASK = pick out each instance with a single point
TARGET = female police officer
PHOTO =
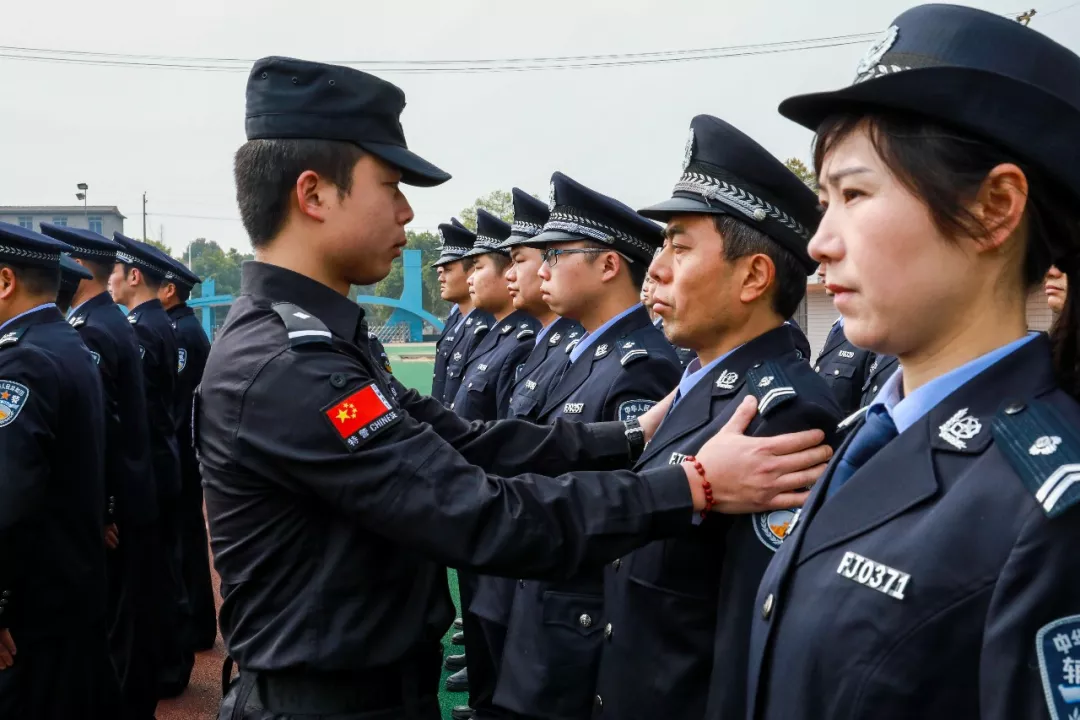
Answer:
(934, 571)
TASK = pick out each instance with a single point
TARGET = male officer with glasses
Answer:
(597, 253)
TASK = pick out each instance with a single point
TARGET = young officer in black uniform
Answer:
(933, 572)
(597, 252)
(733, 267)
(52, 442)
(193, 346)
(134, 283)
(335, 495)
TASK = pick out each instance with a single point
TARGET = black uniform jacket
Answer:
(678, 609)
(844, 368)
(438, 381)
(553, 639)
(930, 585)
(129, 474)
(540, 371)
(880, 369)
(192, 351)
(336, 497)
(160, 358)
(489, 374)
(52, 489)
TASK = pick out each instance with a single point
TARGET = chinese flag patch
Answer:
(358, 411)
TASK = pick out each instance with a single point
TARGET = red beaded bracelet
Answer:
(705, 485)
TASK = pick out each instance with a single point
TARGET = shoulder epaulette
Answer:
(770, 386)
(9, 339)
(631, 350)
(303, 327)
(526, 332)
(1044, 450)
(481, 328)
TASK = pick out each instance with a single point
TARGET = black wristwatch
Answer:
(635, 438)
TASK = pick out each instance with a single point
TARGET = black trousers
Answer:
(175, 659)
(481, 663)
(201, 617)
(58, 678)
(133, 619)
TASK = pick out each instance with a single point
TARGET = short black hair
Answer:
(741, 240)
(501, 262)
(183, 293)
(100, 270)
(38, 281)
(152, 282)
(637, 269)
(266, 172)
(468, 263)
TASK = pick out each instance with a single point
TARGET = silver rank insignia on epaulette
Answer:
(479, 329)
(770, 386)
(629, 352)
(10, 338)
(571, 345)
(526, 332)
(1043, 448)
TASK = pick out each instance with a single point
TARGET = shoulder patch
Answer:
(181, 357)
(361, 415)
(633, 409)
(1044, 451)
(1058, 648)
(303, 327)
(11, 338)
(631, 350)
(13, 398)
(772, 527)
(770, 386)
(480, 329)
(77, 321)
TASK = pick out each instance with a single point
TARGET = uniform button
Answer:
(470, 384)
(521, 584)
(817, 368)
(836, 372)
(585, 620)
(599, 703)
(1014, 408)
(607, 631)
(875, 389)
(617, 564)
(338, 380)
(766, 608)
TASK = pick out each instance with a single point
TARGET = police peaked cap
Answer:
(457, 240)
(727, 173)
(578, 213)
(72, 272)
(143, 256)
(85, 244)
(491, 233)
(289, 98)
(179, 273)
(530, 215)
(979, 72)
(20, 246)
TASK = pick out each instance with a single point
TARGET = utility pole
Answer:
(144, 216)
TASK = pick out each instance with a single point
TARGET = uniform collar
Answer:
(695, 372)
(101, 299)
(179, 311)
(544, 331)
(586, 342)
(341, 315)
(46, 312)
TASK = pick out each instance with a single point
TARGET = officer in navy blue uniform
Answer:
(678, 609)
(193, 346)
(843, 366)
(880, 369)
(933, 571)
(336, 497)
(52, 441)
(132, 498)
(452, 352)
(597, 251)
(448, 253)
(138, 274)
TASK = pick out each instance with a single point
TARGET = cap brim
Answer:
(445, 260)
(681, 206)
(477, 252)
(415, 170)
(518, 240)
(73, 268)
(554, 236)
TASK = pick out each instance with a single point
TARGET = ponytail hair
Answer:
(945, 168)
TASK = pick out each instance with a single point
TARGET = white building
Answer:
(102, 219)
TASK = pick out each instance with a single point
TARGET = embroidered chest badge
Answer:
(1058, 647)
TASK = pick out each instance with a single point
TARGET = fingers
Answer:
(743, 416)
(789, 500)
(794, 442)
(798, 481)
(7, 650)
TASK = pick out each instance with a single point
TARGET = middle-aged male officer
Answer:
(136, 278)
(333, 493)
(733, 267)
(133, 513)
(193, 347)
(597, 251)
(52, 494)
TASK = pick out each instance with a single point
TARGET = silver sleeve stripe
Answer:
(527, 229)
(308, 333)
(29, 254)
(735, 197)
(774, 395)
(568, 222)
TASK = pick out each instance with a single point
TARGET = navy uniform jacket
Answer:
(553, 638)
(536, 376)
(193, 348)
(128, 469)
(919, 590)
(488, 376)
(844, 368)
(679, 609)
(438, 382)
(336, 497)
(880, 369)
(52, 489)
(472, 333)
(160, 358)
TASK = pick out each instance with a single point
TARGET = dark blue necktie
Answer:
(873, 435)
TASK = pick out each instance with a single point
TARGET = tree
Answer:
(498, 202)
(798, 167)
(391, 286)
(209, 260)
(160, 246)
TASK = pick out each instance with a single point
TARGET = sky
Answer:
(619, 130)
